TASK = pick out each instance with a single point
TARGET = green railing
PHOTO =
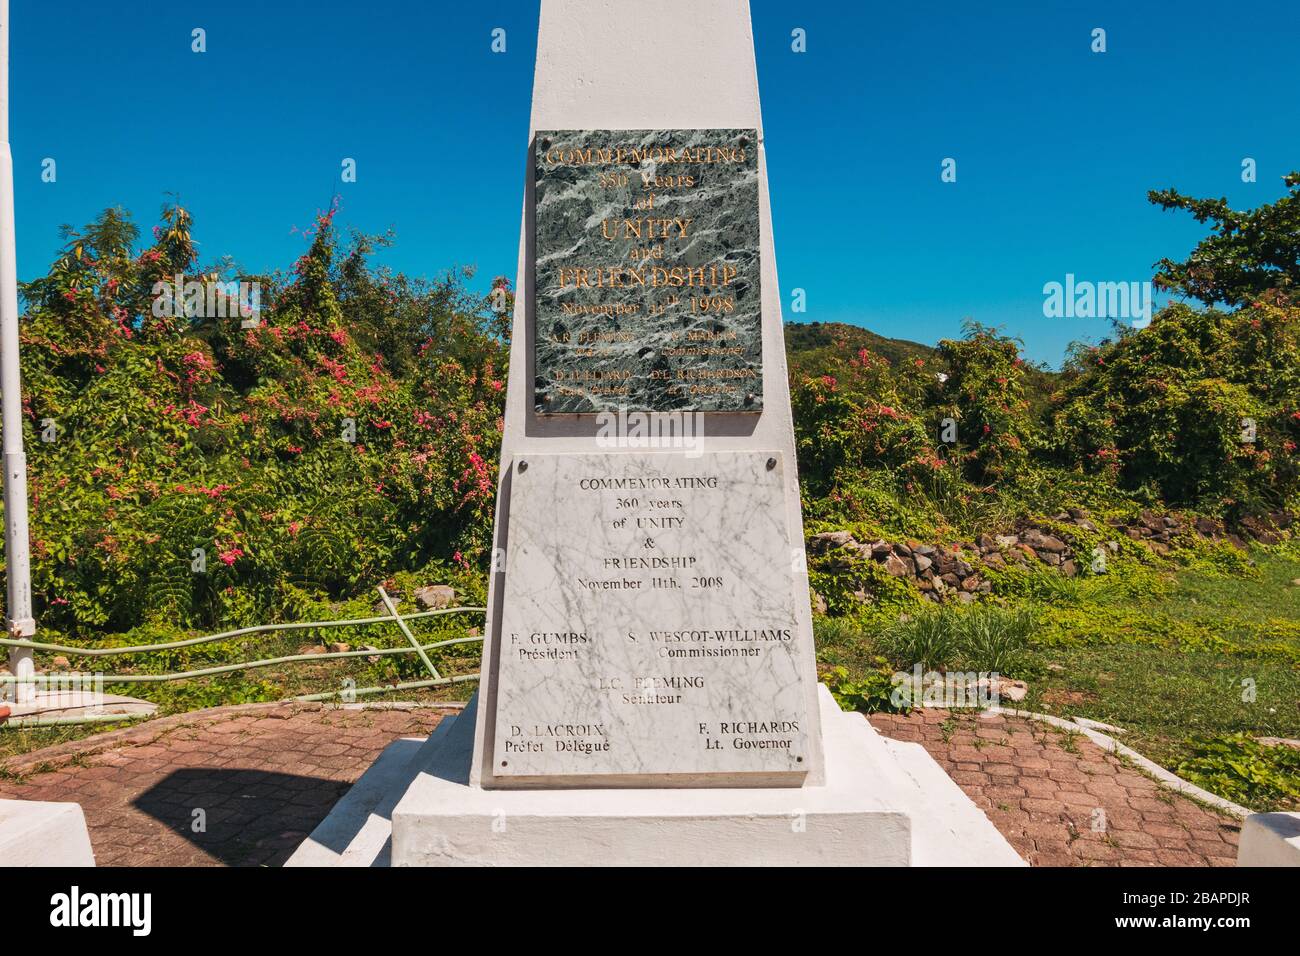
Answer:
(393, 616)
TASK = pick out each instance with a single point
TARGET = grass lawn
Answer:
(1206, 655)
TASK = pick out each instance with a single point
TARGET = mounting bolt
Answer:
(523, 465)
(771, 463)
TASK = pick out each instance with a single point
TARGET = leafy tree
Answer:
(985, 387)
(857, 416)
(1201, 408)
(1248, 254)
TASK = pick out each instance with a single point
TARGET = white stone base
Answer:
(1270, 839)
(35, 833)
(885, 803)
(78, 703)
(359, 830)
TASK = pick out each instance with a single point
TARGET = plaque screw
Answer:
(546, 142)
(771, 463)
(749, 399)
(744, 141)
(523, 466)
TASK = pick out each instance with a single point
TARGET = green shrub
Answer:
(1245, 771)
(868, 694)
(931, 638)
(1200, 408)
(175, 433)
(836, 633)
(995, 639)
(985, 387)
(980, 637)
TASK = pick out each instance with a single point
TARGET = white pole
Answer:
(18, 610)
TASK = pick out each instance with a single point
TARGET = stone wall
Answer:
(956, 571)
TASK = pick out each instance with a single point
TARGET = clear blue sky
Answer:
(1055, 146)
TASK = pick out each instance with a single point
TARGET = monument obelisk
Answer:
(647, 286)
(648, 691)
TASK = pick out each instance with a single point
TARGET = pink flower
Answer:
(193, 413)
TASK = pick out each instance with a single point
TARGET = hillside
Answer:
(811, 346)
(804, 339)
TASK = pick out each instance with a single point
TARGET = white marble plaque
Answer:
(648, 632)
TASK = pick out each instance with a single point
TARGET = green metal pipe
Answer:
(17, 723)
(227, 635)
(392, 609)
(409, 685)
(230, 668)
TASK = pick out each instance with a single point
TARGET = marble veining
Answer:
(648, 624)
(646, 271)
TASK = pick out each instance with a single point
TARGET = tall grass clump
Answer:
(981, 638)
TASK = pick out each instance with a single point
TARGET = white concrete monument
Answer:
(648, 691)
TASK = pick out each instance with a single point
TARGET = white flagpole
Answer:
(18, 610)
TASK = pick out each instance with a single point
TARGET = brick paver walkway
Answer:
(258, 777)
(261, 776)
(1061, 800)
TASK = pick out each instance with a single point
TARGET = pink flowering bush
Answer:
(202, 467)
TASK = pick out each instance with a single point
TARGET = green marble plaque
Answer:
(646, 271)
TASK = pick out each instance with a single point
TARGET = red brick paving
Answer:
(265, 774)
(1064, 808)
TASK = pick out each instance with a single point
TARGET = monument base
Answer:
(885, 803)
(1270, 839)
(37, 833)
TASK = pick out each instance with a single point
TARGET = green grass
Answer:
(1204, 654)
(1180, 657)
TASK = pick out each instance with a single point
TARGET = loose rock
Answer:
(437, 596)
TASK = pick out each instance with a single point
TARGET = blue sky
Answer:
(1055, 145)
